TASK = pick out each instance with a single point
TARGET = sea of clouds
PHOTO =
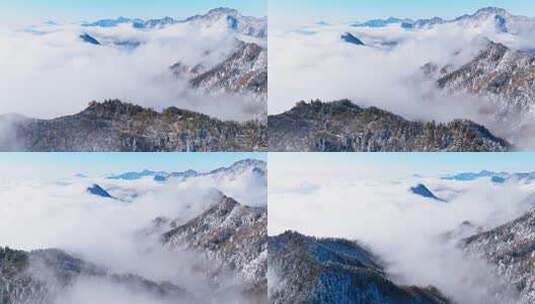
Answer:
(49, 71)
(416, 237)
(311, 62)
(42, 212)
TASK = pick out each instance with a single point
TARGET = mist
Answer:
(313, 62)
(49, 71)
(119, 233)
(416, 238)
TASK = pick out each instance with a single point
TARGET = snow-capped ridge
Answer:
(229, 18)
(239, 167)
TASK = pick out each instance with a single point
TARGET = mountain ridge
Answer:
(116, 126)
(343, 126)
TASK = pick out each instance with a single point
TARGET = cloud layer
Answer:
(312, 61)
(114, 232)
(50, 71)
(416, 237)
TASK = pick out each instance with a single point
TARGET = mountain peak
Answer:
(423, 191)
(491, 11)
(98, 191)
(222, 11)
(350, 38)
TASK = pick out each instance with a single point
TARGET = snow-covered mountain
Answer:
(494, 18)
(496, 177)
(224, 18)
(239, 168)
(189, 238)
(304, 269)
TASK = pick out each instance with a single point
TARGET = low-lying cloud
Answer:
(119, 234)
(416, 237)
(49, 71)
(314, 62)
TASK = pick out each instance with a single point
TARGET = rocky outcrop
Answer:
(310, 270)
(344, 126)
(117, 126)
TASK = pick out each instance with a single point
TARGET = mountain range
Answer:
(344, 126)
(496, 177)
(499, 19)
(230, 18)
(117, 126)
(228, 235)
(238, 168)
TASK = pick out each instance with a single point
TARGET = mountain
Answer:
(117, 126)
(375, 23)
(422, 23)
(238, 168)
(423, 191)
(98, 191)
(111, 22)
(344, 126)
(310, 270)
(258, 167)
(138, 175)
(491, 18)
(469, 176)
(39, 277)
(89, 39)
(502, 76)
(349, 38)
(244, 71)
(496, 177)
(135, 23)
(233, 20)
(225, 18)
(510, 250)
(231, 234)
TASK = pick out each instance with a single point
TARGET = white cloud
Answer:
(49, 71)
(407, 231)
(42, 212)
(314, 62)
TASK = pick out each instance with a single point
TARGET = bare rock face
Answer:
(309, 270)
(344, 126)
(117, 126)
(233, 235)
(41, 276)
(511, 250)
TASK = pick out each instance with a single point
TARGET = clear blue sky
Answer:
(430, 164)
(75, 10)
(348, 10)
(107, 163)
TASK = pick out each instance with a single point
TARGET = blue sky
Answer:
(429, 164)
(106, 163)
(353, 10)
(75, 10)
